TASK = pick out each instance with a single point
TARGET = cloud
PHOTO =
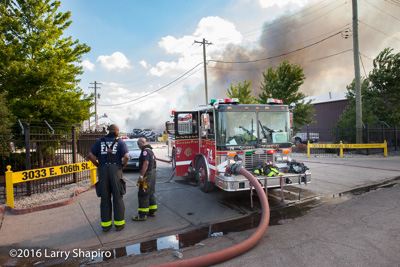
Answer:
(117, 61)
(282, 3)
(87, 65)
(144, 64)
(115, 89)
(220, 32)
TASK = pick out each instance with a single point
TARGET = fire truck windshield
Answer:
(237, 128)
(274, 127)
(251, 128)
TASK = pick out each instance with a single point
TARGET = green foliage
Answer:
(347, 120)
(5, 115)
(242, 92)
(5, 124)
(385, 86)
(380, 94)
(38, 65)
(284, 84)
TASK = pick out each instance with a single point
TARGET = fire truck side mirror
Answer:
(205, 121)
(292, 106)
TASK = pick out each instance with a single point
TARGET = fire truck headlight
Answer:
(280, 157)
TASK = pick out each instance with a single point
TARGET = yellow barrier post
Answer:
(341, 149)
(385, 149)
(308, 149)
(9, 187)
(93, 179)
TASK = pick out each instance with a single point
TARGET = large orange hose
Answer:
(240, 248)
(164, 160)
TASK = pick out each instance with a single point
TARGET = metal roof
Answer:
(330, 97)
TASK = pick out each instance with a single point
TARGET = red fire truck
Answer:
(209, 139)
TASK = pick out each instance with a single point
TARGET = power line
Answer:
(292, 29)
(155, 78)
(378, 30)
(284, 54)
(382, 10)
(362, 63)
(319, 36)
(393, 2)
(283, 20)
(366, 56)
(305, 61)
(175, 84)
(177, 79)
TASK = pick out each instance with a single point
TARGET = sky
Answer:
(147, 58)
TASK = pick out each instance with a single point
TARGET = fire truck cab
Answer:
(209, 139)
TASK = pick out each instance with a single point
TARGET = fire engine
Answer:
(207, 141)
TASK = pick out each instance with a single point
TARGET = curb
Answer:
(45, 207)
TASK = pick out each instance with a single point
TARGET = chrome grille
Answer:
(253, 160)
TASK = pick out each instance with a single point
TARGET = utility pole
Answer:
(204, 43)
(357, 82)
(95, 102)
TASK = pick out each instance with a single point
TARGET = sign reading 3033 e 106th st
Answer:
(24, 176)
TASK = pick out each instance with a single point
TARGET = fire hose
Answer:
(164, 160)
(231, 252)
(173, 173)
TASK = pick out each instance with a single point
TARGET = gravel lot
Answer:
(55, 195)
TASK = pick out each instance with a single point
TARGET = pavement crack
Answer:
(91, 224)
(173, 211)
(2, 218)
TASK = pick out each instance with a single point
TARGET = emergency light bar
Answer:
(224, 101)
(274, 101)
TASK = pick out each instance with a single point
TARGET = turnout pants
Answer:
(110, 185)
(147, 200)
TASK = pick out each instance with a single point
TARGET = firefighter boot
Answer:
(152, 214)
(119, 227)
(139, 217)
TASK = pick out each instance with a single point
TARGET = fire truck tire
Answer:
(202, 176)
(173, 159)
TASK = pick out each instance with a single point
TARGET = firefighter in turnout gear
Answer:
(146, 182)
(110, 150)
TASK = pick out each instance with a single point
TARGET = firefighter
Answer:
(146, 182)
(109, 151)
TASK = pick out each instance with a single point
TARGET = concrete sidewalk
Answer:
(181, 207)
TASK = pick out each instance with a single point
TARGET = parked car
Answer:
(302, 138)
(134, 153)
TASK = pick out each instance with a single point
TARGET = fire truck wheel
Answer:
(173, 159)
(202, 176)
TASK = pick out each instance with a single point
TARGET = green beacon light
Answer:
(213, 101)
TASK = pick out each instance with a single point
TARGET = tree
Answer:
(347, 120)
(385, 86)
(380, 94)
(38, 66)
(242, 92)
(5, 124)
(284, 84)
